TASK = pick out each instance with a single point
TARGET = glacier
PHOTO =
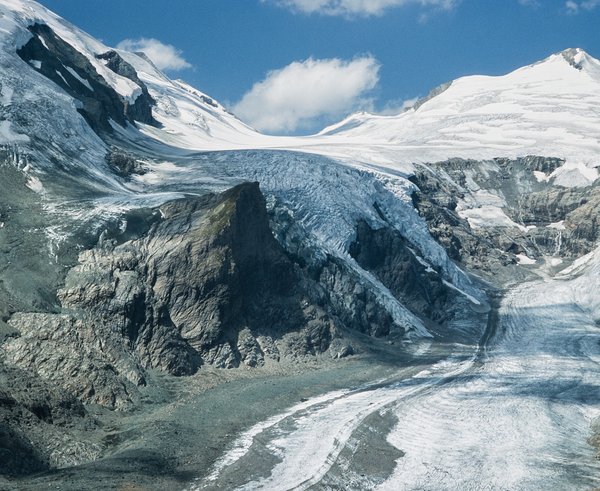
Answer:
(522, 398)
(513, 415)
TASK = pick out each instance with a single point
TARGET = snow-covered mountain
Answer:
(54, 65)
(133, 235)
(96, 99)
(68, 101)
(549, 108)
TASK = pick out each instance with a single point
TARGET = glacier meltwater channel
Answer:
(514, 414)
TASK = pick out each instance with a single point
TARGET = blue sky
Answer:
(363, 54)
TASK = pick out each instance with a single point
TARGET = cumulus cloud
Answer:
(164, 56)
(574, 7)
(357, 7)
(301, 93)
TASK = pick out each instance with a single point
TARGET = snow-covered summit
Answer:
(186, 116)
(548, 108)
(581, 60)
(16, 16)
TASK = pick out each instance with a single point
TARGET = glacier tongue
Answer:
(516, 416)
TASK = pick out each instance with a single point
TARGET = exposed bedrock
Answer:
(387, 255)
(532, 214)
(40, 425)
(202, 281)
(72, 71)
(207, 283)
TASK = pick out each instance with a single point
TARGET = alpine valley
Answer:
(397, 302)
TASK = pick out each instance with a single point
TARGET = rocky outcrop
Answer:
(78, 353)
(353, 303)
(68, 68)
(141, 110)
(207, 283)
(203, 281)
(387, 255)
(548, 220)
(124, 164)
(40, 425)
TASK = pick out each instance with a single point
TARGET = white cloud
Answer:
(357, 7)
(164, 56)
(574, 7)
(304, 91)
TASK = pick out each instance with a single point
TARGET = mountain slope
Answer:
(137, 246)
(551, 108)
(120, 146)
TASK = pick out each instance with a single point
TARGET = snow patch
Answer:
(81, 79)
(557, 225)
(575, 174)
(62, 77)
(428, 268)
(43, 41)
(35, 185)
(525, 260)
(471, 298)
(7, 135)
(489, 216)
(6, 96)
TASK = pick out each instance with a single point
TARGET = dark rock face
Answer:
(141, 110)
(355, 306)
(203, 281)
(37, 425)
(206, 284)
(59, 62)
(220, 283)
(124, 164)
(387, 255)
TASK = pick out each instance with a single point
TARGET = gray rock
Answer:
(529, 202)
(80, 354)
(100, 103)
(41, 426)
(207, 284)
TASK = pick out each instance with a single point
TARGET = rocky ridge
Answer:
(492, 215)
(205, 282)
(70, 70)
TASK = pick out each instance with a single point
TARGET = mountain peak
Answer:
(575, 57)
